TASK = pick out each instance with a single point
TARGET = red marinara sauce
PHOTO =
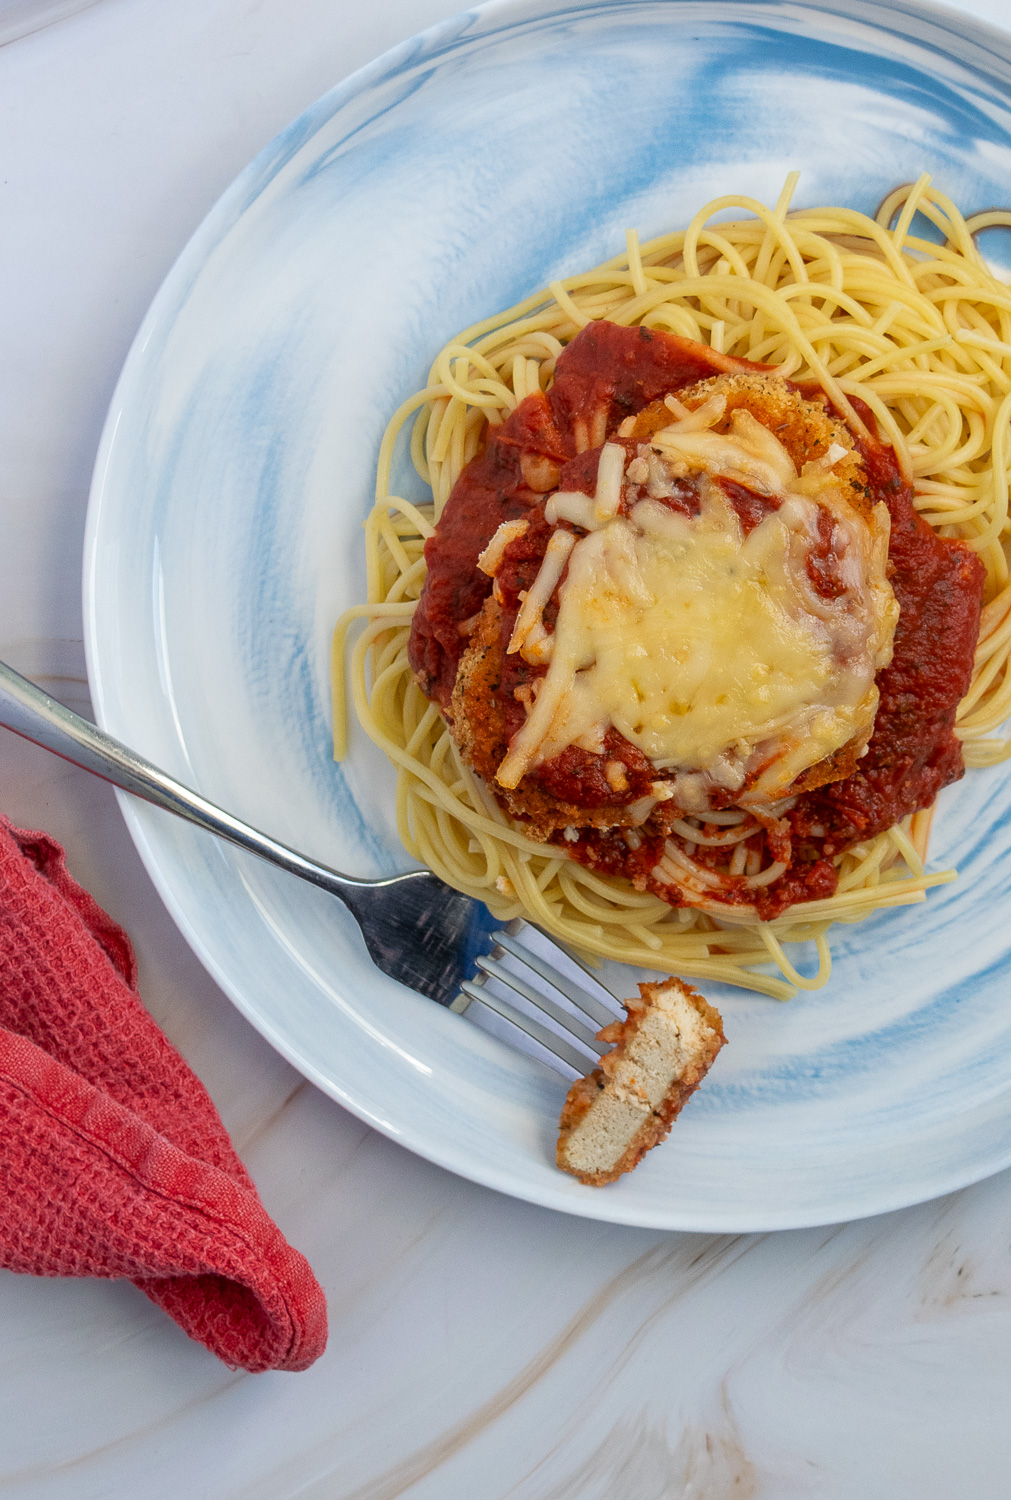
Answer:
(913, 751)
(606, 374)
(606, 369)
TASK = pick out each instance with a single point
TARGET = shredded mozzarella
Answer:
(610, 472)
(639, 811)
(544, 585)
(702, 648)
(570, 505)
(709, 650)
(491, 558)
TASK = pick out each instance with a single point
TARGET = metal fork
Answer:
(417, 929)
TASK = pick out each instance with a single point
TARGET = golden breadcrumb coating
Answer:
(807, 431)
(660, 1054)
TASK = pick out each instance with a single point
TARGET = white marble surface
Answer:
(480, 1348)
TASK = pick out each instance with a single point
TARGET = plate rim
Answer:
(211, 229)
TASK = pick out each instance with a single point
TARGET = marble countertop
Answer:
(479, 1347)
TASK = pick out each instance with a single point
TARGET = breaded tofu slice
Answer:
(807, 431)
(661, 1054)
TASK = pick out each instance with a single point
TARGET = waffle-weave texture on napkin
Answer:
(113, 1160)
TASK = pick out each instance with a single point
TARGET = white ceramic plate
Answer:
(447, 180)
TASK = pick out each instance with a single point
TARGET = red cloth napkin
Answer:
(113, 1160)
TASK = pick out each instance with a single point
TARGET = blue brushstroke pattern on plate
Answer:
(452, 177)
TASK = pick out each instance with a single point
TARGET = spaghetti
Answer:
(913, 334)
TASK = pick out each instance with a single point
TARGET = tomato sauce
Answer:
(913, 751)
(606, 369)
(609, 373)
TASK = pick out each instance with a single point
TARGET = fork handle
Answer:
(32, 713)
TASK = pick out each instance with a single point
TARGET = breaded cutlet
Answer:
(627, 1105)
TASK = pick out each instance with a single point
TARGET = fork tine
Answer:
(588, 1004)
(512, 981)
(474, 990)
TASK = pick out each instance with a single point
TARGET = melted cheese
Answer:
(491, 558)
(709, 650)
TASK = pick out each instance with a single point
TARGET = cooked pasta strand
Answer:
(918, 331)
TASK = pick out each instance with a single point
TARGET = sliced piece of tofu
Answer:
(660, 1055)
